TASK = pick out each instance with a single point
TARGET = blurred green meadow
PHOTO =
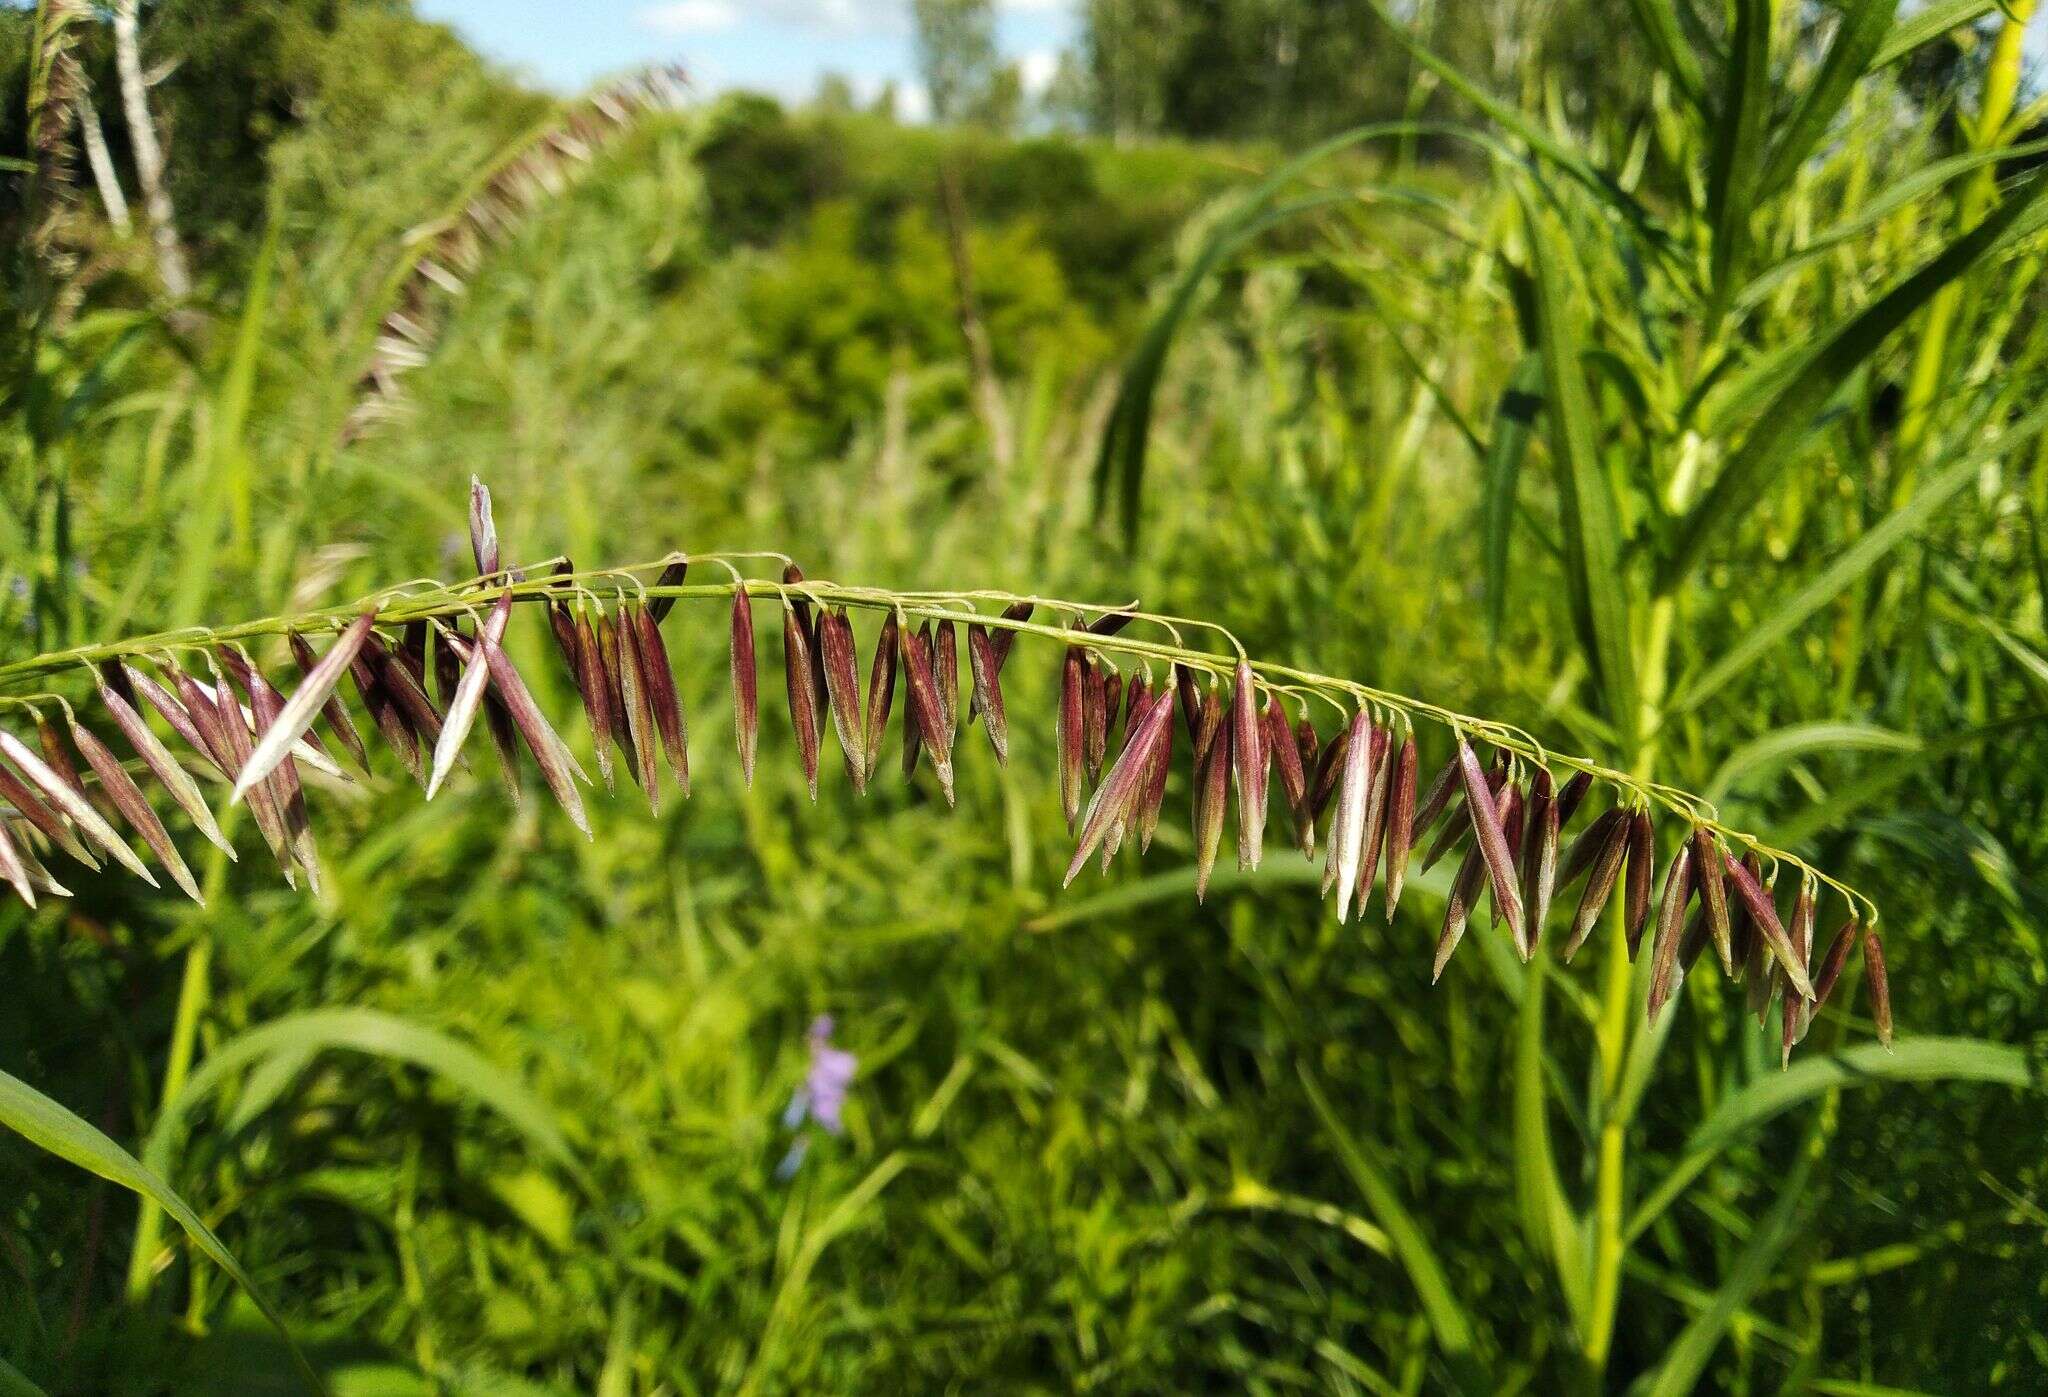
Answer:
(501, 1110)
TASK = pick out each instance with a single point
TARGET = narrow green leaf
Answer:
(1747, 472)
(1686, 1360)
(380, 1035)
(1659, 22)
(14, 1384)
(1857, 559)
(1440, 1306)
(1594, 579)
(1513, 423)
(1860, 32)
(49, 1126)
(1896, 195)
(1928, 24)
(1908, 1060)
(1776, 748)
(1739, 131)
(1866, 790)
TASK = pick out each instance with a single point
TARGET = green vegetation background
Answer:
(1079, 1149)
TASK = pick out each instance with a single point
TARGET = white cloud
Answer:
(1036, 70)
(688, 16)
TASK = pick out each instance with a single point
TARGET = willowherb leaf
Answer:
(882, 691)
(1538, 858)
(923, 692)
(1293, 779)
(842, 690)
(14, 869)
(1347, 824)
(1212, 794)
(332, 711)
(33, 808)
(1670, 918)
(803, 698)
(746, 697)
(1400, 822)
(1879, 984)
(671, 576)
(1707, 859)
(1493, 844)
(1767, 924)
(1116, 799)
(1249, 761)
(987, 698)
(127, 798)
(1642, 874)
(1610, 836)
(1377, 797)
(659, 680)
(1070, 734)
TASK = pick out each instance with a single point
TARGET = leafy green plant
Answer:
(1702, 355)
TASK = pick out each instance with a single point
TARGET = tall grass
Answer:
(1108, 1141)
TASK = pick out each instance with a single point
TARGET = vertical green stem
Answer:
(1612, 1033)
(1980, 193)
(193, 996)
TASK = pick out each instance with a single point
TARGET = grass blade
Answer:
(49, 1126)
(1594, 577)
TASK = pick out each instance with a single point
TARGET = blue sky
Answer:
(777, 46)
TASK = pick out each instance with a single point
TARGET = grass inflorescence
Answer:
(1114, 738)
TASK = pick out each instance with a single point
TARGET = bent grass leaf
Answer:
(1839, 352)
(51, 1128)
(1447, 1319)
(1915, 1059)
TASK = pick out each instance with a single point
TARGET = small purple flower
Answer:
(822, 1095)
